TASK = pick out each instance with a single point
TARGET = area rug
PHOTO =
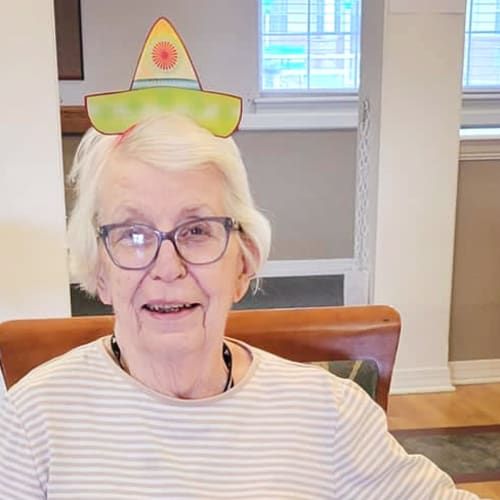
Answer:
(467, 454)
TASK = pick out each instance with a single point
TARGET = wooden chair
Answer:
(303, 334)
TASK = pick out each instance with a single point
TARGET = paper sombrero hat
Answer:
(165, 80)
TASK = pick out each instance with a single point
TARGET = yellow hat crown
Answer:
(164, 60)
(165, 81)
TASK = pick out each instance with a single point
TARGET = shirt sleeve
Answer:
(18, 477)
(371, 464)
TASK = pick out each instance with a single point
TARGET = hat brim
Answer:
(114, 113)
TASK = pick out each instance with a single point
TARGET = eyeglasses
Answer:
(136, 246)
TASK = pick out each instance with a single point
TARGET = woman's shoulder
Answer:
(75, 364)
(313, 377)
(279, 368)
(274, 362)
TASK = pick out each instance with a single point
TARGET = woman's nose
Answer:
(168, 265)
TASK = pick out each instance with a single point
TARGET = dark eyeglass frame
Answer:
(228, 222)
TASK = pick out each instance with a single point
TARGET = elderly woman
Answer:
(165, 230)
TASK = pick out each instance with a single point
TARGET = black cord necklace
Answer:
(228, 361)
(226, 356)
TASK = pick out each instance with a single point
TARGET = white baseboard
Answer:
(480, 371)
(432, 379)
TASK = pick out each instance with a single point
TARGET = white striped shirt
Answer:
(78, 427)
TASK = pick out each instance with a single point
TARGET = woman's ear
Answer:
(247, 268)
(102, 286)
(241, 287)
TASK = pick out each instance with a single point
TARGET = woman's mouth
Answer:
(169, 308)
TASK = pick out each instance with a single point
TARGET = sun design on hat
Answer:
(164, 81)
(164, 55)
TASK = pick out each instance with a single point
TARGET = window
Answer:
(482, 45)
(312, 46)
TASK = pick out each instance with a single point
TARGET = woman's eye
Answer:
(198, 230)
(137, 238)
(132, 236)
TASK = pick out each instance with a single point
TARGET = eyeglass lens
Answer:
(198, 242)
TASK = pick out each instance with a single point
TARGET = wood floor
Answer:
(468, 405)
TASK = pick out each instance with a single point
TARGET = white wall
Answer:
(34, 280)
(416, 130)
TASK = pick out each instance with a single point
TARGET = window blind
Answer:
(313, 45)
(310, 45)
(482, 45)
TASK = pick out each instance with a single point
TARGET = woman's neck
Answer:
(189, 375)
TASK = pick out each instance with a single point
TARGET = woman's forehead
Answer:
(141, 210)
(131, 187)
(129, 170)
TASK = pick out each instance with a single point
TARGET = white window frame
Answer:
(314, 111)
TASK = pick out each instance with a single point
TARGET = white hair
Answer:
(169, 142)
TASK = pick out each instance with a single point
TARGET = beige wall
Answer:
(304, 182)
(475, 314)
